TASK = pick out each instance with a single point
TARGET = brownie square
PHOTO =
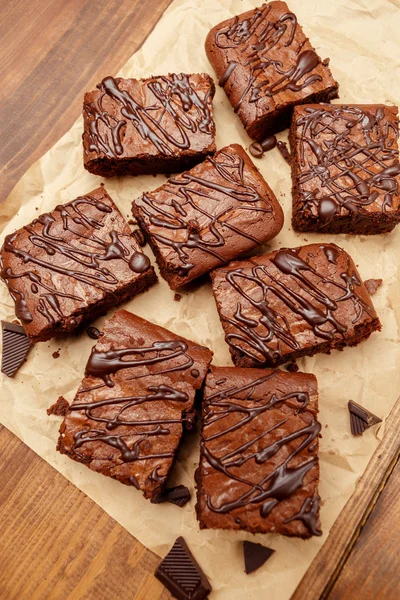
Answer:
(259, 466)
(209, 215)
(155, 125)
(345, 168)
(291, 303)
(266, 65)
(128, 416)
(72, 264)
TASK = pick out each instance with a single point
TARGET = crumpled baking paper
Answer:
(361, 38)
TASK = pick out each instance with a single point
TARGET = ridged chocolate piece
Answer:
(181, 574)
(361, 418)
(178, 495)
(15, 348)
(255, 555)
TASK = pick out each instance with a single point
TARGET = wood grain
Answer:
(56, 543)
(372, 571)
(325, 568)
(51, 53)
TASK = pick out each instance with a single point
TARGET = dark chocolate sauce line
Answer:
(309, 515)
(102, 364)
(341, 168)
(94, 274)
(268, 35)
(176, 97)
(254, 336)
(284, 480)
(189, 188)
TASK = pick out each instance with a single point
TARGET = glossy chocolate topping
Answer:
(263, 59)
(259, 451)
(126, 420)
(209, 215)
(68, 259)
(347, 160)
(291, 300)
(159, 115)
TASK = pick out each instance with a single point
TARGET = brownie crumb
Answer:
(59, 408)
(292, 367)
(372, 285)
(177, 297)
(326, 62)
(56, 354)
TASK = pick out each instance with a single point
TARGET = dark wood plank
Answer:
(57, 543)
(373, 567)
(51, 53)
(326, 566)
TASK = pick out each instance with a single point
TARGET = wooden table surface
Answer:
(54, 541)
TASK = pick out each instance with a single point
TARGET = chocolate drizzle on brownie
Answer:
(237, 406)
(83, 263)
(174, 95)
(348, 159)
(316, 305)
(257, 56)
(188, 193)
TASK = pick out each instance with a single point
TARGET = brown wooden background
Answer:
(55, 543)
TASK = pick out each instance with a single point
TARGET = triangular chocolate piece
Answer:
(178, 495)
(361, 418)
(15, 348)
(255, 555)
(181, 574)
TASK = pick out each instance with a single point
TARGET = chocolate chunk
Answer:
(361, 418)
(93, 332)
(59, 408)
(182, 575)
(177, 297)
(255, 555)
(178, 495)
(256, 150)
(372, 285)
(15, 348)
(284, 150)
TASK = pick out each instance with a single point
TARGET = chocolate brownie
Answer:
(127, 418)
(209, 215)
(259, 466)
(155, 125)
(291, 303)
(345, 168)
(72, 264)
(266, 66)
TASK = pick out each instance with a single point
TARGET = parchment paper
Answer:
(361, 38)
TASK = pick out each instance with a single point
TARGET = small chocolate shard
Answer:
(177, 297)
(181, 574)
(361, 418)
(284, 150)
(178, 495)
(59, 408)
(372, 285)
(16, 345)
(255, 555)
